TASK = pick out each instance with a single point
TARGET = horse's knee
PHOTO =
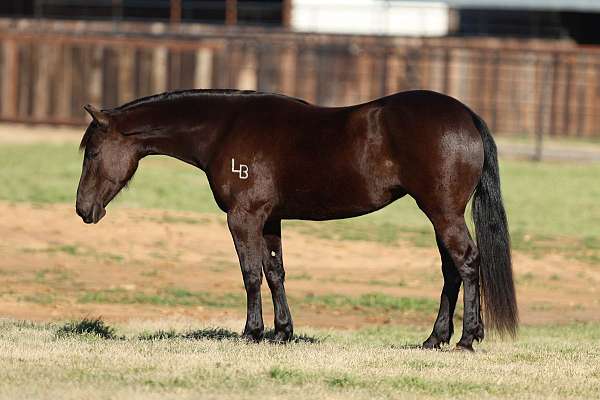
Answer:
(273, 265)
(252, 279)
(275, 276)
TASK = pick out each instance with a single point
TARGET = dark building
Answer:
(575, 19)
(249, 12)
(556, 19)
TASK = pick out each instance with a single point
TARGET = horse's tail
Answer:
(493, 242)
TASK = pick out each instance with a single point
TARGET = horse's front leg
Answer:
(246, 230)
(275, 274)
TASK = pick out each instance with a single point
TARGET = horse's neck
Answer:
(192, 141)
(183, 146)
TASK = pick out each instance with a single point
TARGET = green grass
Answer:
(169, 297)
(377, 301)
(49, 173)
(56, 274)
(76, 251)
(551, 206)
(84, 359)
(37, 298)
(165, 297)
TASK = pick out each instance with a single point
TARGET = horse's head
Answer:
(110, 160)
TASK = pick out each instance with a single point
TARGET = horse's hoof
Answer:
(464, 347)
(282, 337)
(253, 335)
(431, 344)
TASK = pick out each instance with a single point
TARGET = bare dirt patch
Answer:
(51, 265)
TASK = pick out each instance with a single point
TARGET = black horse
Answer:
(270, 157)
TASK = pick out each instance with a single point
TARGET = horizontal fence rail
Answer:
(539, 88)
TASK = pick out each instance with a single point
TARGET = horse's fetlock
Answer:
(479, 333)
(254, 333)
(469, 273)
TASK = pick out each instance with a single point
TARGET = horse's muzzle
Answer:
(91, 215)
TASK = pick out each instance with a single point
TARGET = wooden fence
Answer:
(49, 70)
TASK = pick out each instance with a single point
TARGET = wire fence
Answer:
(521, 88)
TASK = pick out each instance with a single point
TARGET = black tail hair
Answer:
(493, 242)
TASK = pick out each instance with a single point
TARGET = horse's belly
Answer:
(336, 198)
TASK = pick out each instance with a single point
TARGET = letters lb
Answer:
(242, 170)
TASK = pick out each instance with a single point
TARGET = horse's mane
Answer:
(175, 95)
(178, 94)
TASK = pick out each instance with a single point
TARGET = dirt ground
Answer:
(49, 259)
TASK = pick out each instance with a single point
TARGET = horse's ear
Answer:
(98, 115)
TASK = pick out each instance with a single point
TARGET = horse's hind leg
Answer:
(444, 327)
(452, 232)
(275, 274)
(456, 238)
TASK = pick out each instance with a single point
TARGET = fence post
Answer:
(288, 70)
(446, 72)
(231, 12)
(203, 73)
(10, 81)
(41, 85)
(126, 75)
(175, 11)
(545, 96)
(159, 76)
(95, 79)
(66, 84)
(117, 9)
(247, 73)
(286, 13)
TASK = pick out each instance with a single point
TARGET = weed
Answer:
(87, 326)
(287, 375)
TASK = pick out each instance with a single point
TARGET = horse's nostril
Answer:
(85, 216)
(79, 212)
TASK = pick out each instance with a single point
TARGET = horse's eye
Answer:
(90, 155)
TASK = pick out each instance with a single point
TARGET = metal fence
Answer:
(524, 88)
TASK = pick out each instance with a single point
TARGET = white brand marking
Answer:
(273, 254)
(242, 170)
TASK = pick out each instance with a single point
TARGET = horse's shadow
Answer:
(218, 334)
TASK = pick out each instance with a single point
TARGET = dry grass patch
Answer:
(191, 361)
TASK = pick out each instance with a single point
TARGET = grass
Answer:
(164, 297)
(77, 251)
(552, 207)
(377, 301)
(37, 298)
(169, 297)
(94, 327)
(216, 334)
(550, 362)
